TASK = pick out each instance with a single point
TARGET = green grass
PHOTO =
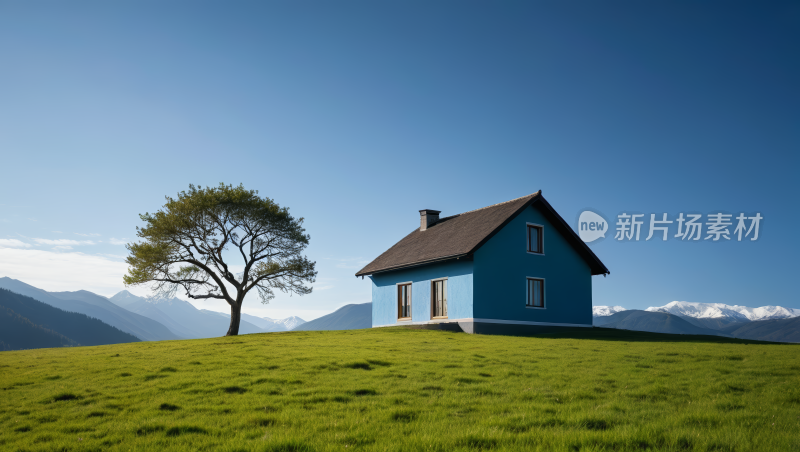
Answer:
(405, 390)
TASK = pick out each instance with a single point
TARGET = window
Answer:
(404, 301)
(439, 298)
(535, 239)
(535, 293)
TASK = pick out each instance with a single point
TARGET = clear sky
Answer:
(356, 115)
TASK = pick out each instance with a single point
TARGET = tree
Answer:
(184, 246)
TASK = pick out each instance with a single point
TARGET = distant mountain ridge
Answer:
(124, 298)
(123, 318)
(768, 323)
(266, 324)
(718, 310)
(349, 317)
(656, 322)
(187, 321)
(95, 306)
(28, 323)
(779, 330)
(184, 319)
(19, 333)
(710, 311)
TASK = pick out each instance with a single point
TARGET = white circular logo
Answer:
(591, 226)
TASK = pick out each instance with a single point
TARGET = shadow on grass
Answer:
(65, 396)
(177, 431)
(595, 333)
(613, 334)
(234, 389)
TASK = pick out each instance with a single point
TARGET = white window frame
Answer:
(544, 292)
(528, 238)
(411, 296)
(445, 298)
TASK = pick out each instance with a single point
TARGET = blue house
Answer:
(510, 267)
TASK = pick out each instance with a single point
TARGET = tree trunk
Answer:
(236, 316)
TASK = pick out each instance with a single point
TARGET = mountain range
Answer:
(349, 317)
(180, 316)
(192, 323)
(134, 318)
(767, 323)
(710, 310)
(719, 310)
(267, 324)
(27, 323)
(95, 306)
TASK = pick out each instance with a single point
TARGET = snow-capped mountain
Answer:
(291, 322)
(699, 310)
(269, 324)
(768, 312)
(720, 310)
(603, 311)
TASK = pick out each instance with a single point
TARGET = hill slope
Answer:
(350, 317)
(718, 324)
(76, 328)
(150, 311)
(397, 389)
(781, 330)
(656, 322)
(19, 333)
(95, 306)
(150, 327)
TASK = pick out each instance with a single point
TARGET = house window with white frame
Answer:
(404, 301)
(439, 298)
(535, 293)
(535, 239)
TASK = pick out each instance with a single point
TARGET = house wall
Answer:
(459, 292)
(502, 265)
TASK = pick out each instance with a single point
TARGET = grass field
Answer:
(401, 389)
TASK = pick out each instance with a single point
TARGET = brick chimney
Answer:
(427, 218)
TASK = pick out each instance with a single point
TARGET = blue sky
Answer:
(358, 114)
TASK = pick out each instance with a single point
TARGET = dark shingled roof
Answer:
(461, 235)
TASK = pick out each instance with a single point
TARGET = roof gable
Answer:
(462, 234)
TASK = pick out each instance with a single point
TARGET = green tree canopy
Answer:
(183, 247)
